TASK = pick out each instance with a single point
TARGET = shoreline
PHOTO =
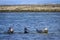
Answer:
(30, 8)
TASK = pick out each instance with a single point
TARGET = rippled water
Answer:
(33, 21)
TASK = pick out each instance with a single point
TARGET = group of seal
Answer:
(45, 30)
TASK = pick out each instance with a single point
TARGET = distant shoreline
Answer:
(30, 8)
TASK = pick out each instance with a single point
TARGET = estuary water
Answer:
(32, 20)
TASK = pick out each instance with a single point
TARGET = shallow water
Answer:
(33, 21)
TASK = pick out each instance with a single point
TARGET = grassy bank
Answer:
(30, 8)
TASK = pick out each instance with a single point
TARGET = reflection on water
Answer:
(33, 21)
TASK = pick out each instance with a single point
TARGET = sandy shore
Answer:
(30, 8)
